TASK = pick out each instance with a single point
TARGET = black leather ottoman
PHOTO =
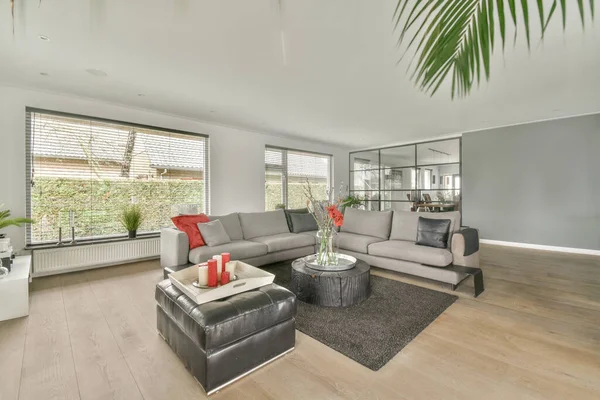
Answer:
(221, 341)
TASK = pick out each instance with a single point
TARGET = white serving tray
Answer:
(248, 278)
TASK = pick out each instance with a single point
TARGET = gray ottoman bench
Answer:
(221, 341)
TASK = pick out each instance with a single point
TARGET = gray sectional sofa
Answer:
(385, 239)
(256, 238)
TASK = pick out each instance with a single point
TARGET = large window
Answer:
(286, 175)
(84, 171)
(423, 176)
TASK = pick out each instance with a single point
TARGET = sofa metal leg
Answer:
(478, 282)
(476, 273)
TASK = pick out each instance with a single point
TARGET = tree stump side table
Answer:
(331, 289)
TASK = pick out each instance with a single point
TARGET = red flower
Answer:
(339, 220)
(335, 215)
(332, 211)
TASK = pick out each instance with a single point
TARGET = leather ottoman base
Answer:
(218, 367)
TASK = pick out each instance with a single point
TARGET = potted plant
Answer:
(132, 218)
(352, 201)
(5, 220)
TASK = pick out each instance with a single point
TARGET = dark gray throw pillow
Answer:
(433, 232)
(213, 233)
(288, 216)
(303, 223)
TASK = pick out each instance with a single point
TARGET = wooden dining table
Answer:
(452, 206)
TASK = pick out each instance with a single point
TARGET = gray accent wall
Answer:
(537, 183)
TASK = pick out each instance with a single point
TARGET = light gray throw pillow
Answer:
(231, 223)
(213, 233)
(303, 223)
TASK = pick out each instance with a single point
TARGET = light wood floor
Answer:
(533, 334)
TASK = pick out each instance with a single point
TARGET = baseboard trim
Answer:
(572, 250)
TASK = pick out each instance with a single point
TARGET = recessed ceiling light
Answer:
(43, 73)
(44, 38)
(96, 72)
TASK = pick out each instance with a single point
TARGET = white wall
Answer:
(236, 162)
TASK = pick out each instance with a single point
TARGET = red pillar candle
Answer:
(226, 258)
(212, 273)
(224, 278)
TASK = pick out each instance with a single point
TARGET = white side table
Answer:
(14, 290)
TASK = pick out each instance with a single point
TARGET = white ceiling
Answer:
(222, 61)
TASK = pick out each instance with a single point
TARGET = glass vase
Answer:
(326, 252)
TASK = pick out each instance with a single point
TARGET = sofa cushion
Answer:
(288, 215)
(219, 323)
(263, 224)
(213, 233)
(239, 249)
(231, 223)
(405, 223)
(410, 251)
(354, 242)
(312, 234)
(368, 223)
(303, 223)
(284, 241)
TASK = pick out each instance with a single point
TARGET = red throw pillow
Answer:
(189, 225)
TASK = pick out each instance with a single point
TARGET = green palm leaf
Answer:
(455, 38)
(15, 222)
(6, 221)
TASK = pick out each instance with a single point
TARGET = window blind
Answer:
(84, 171)
(287, 172)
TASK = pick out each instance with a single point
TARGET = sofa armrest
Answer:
(174, 247)
(465, 248)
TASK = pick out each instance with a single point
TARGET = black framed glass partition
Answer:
(419, 177)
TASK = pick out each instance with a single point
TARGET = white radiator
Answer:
(72, 258)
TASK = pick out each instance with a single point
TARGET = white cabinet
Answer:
(14, 290)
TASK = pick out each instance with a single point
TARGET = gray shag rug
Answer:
(374, 331)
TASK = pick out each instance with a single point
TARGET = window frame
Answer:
(415, 166)
(285, 170)
(29, 162)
